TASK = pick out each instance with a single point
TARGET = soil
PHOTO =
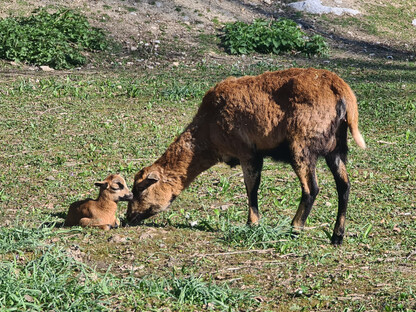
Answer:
(135, 21)
(173, 28)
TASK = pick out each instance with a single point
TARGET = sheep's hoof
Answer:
(296, 230)
(251, 223)
(253, 218)
(336, 240)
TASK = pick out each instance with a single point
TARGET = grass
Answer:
(381, 23)
(53, 279)
(63, 131)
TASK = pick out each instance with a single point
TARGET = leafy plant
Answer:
(194, 291)
(51, 281)
(260, 236)
(54, 39)
(24, 238)
(275, 37)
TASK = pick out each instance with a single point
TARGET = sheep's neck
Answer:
(186, 158)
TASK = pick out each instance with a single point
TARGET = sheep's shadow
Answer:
(55, 224)
(202, 226)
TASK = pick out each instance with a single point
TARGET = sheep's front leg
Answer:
(338, 169)
(306, 173)
(252, 174)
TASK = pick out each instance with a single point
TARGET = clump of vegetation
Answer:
(261, 236)
(193, 292)
(58, 39)
(275, 37)
(42, 276)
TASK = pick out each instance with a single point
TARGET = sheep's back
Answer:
(265, 110)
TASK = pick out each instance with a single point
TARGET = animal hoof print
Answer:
(336, 240)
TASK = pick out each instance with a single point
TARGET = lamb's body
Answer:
(294, 115)
(101, 212)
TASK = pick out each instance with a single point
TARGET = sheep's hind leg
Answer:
(252, 174)
(338, 169)
(305, 171)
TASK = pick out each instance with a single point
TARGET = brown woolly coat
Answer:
(294, 115)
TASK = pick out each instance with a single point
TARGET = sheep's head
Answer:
(151, 194)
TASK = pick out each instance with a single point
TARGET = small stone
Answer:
(117, 239)
(46, 68)
(28, 298)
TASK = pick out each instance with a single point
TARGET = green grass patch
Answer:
(192, 292)
(260, 236)
(54, 280)
(63, 132)
(23, 237)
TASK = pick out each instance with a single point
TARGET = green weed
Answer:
(194, 292)
(275, 37)
(22, 237)
(260, 236)
(55, 39)
(54, 280)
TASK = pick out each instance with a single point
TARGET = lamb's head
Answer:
(152, 193)
(114, 188)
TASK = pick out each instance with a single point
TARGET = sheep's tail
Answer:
(352, 120)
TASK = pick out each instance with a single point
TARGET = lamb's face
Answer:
(151, 195)
(114, 187)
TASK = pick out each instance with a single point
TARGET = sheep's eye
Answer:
(120, 185)
(140, 189)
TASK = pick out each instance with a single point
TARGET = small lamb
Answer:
(102, 211)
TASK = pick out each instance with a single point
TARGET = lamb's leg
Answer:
(252, 173)
(338, 169)
(305, 170)
(84, 222)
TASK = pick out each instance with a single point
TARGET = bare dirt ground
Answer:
(148, 25)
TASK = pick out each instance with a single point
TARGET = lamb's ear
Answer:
(101, 184)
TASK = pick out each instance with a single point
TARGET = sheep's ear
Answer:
(151, 178)
(101, 184)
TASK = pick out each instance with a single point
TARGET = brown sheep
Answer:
(101, 212)
(294, 115)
